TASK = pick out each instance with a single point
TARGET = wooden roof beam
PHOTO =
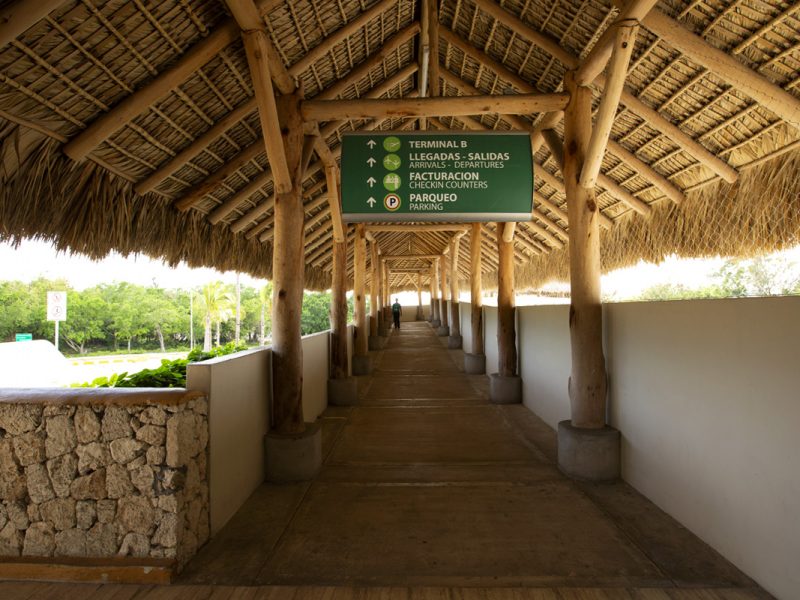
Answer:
(230, 205)
(595, 62)
(257, 51)
(647, 172)
(196, 147)
(636, 106)
(556, 147)
(623, 43)
(266, 177)
(261, 60)
(378, 58)
(470, 90)
(539, 132)
(138, 102)
(522, 104)
(229, 120)
(769, 95)
(195, 194)
(340, 35)
(558, 185)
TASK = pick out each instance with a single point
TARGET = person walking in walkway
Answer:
(397, 310)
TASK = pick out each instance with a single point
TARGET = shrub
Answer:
(171, 373)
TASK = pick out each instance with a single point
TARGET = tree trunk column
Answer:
(444, 328)
(475, 362)
(361, 361)
(374, 305)
(505, 386)
(293, 451)
(387, 299)
(437, 320)
(287, 279)
(342, 389)
(420, 314)
(455, 340)
(381, 293)
(587, 449)
(375, 301)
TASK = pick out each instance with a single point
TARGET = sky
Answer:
(38, 259)
(34, 259)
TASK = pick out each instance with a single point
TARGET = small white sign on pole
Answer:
(56, 306)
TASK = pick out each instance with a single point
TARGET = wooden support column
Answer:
(455, 324)
(437, 316)
(380, 269)
(443, 312)
(256, 45)
(339, 311)
(506, 332)
(420, 313)
(287, 279)
(360, 270)
(374, 302)
(587, 384)
(476, 291)
(387, 300)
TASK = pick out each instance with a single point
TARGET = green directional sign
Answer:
(437, 176)
(23, 337)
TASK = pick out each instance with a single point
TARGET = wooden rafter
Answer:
(326, 110)
(636, 106)
(623, 44)
(785, 105)
(594, 63)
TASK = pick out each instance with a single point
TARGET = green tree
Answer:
(316, 312)
(161, 313)
(126, 317)
(216, 303)
(16, 313)
(87, 319)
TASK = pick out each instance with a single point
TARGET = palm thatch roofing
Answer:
(697, 164)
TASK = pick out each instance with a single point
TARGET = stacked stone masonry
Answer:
(86, 478)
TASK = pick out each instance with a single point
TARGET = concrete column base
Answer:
(475, 364)
(505, 390)
(362, 365)
(343, 392)
(443, 331)
(589, 454)
(436, 323)
(377, 342)
(420, 315)
(294, 457)
(454, 342)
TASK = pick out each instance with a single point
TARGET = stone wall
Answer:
(102, 473)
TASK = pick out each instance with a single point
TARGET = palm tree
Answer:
(216, 302)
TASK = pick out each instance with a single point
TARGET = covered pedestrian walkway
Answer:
(426, 483)
(430, 491)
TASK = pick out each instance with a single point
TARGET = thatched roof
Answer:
(66, 66)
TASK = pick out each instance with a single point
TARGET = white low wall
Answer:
(316, 357)
(239, 387)
(706, 396)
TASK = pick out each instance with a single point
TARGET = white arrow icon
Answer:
(371, 161)
(371, 202)
(371, 143)
(372, 181)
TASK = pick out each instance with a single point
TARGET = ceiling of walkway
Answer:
(132, 124)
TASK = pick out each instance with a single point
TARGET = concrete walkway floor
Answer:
(429, 491)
